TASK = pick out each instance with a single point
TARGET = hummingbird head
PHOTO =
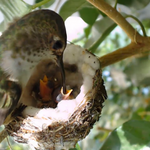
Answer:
(51, 34)
(33, 38)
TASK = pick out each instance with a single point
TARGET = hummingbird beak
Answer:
(61, 65)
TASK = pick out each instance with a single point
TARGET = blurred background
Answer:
(124, 123)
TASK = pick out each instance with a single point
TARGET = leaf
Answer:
(98, 29)
(112, 143)
(46, 5)
(72, 6)
(96, 44)
(143, 15)
(76, 148)
(12, 9)
(87, 31)
(139, 77)
(89, 14)
(134, 4)
(134, 134)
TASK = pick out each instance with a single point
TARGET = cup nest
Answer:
(61, 127)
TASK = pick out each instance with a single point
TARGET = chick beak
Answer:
(61, 65)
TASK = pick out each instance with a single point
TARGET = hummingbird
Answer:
(36, 37)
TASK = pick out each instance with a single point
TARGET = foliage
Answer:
(124, 123)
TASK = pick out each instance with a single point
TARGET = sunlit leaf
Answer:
(134, 134)
(138, 71)
(76, 148)
(12, 9)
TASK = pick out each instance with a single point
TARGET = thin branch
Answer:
(101, 38)
(125, 52)
(139, 22)
(116, 4)
(116, 17)
(138, 45)
(40, 4)
(59, 1)
(9, 145)
(104, 129)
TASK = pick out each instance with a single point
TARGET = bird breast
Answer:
(20, 68)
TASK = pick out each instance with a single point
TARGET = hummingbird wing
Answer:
(10, 93)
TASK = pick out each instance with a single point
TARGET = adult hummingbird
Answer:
(38, 36)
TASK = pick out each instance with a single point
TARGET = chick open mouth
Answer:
(50, 93)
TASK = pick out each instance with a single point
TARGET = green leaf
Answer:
(15, 8)
(135, 4)
(72, 6)
(76, 148)
(132, 4)
(99, 31)
(139, 77)
(46, 5)
(89, 14)
(12, 9)
(87, 31)
(94, 47)
(134, 134)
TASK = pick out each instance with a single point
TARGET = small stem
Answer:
(139, 22)
(40, 4)
(101, 39)
(116, 4)
(59, 1)
(78, 39)
(104, 129)
(116, 17)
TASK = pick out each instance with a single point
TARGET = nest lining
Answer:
(71, 120)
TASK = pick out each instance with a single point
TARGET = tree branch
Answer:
(139, 44)
(125, 52)
(116, 17)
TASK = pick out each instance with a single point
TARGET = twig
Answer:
(3, 135)
(125, 52)
(101, 38)
(40, 4)
(59, 1)
(9, 143)
(139, 44)
(104, 129)
(116, 17)
(116, 4)
(139, 22)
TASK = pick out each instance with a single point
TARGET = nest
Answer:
(62, 127)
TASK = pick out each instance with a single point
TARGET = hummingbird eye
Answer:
(57, 45)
